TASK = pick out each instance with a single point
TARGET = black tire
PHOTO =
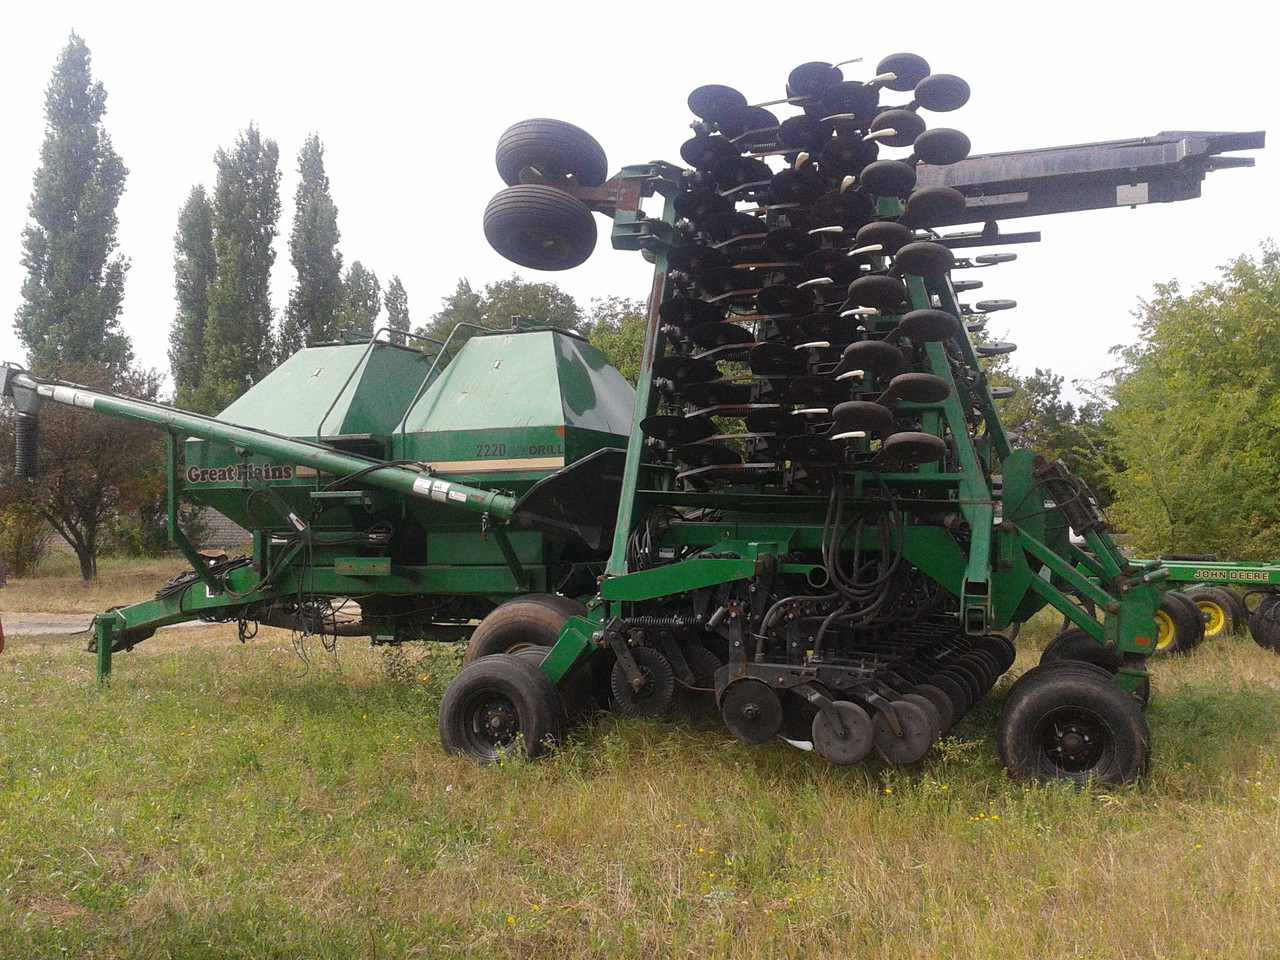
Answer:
(1183, 617)
(540, 227)
(1264, 623)
(577, 688)
(534, 620)
(498, 706)
(557, 149)
(1065, 724)
(1222, 611)
(1075, 644)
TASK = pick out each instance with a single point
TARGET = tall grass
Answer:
(226, 800)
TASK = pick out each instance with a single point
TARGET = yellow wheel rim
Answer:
(1164, 630)
(1215, 618)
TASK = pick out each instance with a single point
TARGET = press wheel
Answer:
(919, 731)
(844, 746)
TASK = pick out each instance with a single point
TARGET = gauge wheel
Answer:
(540, 227)
(555, 149)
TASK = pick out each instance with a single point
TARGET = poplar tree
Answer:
(361, 302)
(397, 304)
(194, 267)
(94, 469)
(74, 287)
(314, 302)
(246, 206)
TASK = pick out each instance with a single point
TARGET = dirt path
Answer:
(37, 624)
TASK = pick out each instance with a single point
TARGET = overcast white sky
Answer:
(410, 99)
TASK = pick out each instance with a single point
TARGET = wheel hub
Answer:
(498, 721)
(1074, 745)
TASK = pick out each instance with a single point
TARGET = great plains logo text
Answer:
(238, 473)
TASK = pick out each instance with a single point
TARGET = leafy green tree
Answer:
(93, 469)
(193, 270)
(1196, 416)
(397, 304)
(361, 302)
(314, 302)
(75, 282)
(616, 325)
(1076, 434)
(246, 206)
(499, 303)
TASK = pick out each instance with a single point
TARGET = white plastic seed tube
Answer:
(812, 411)
(850, 435)
(880, 134)
(881, 78)
(861, 312)
(847, 182)
(851, 375)
(815, 282)
(813, 345)
(836, 229)
(869, 248)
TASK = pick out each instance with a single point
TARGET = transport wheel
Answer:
(1064, 723)
(844, 746)
(1075, 644)
(1264, 623)
(751, 710)
(703, 664)
(540, 227)
(556, 149)
(1222, 610)
(500, 705)
(534, 620)
(1179, 625)
(577, 689)
(658, 694)
(919, 731)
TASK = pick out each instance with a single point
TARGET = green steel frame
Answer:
(1016, 562)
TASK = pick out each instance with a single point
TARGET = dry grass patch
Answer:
(226, 800)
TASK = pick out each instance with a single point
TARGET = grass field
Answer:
(228, 800)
